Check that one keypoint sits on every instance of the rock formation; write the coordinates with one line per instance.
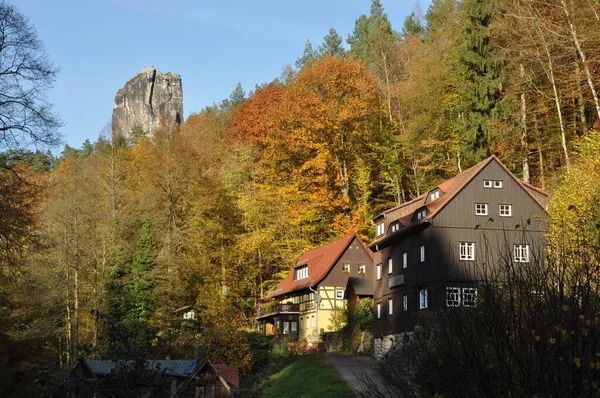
(146, 100)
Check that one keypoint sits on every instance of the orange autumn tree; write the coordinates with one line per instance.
(314, 138)
(328, 116)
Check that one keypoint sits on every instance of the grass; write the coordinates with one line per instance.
(307, 377)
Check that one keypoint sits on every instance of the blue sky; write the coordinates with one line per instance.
(213, 45)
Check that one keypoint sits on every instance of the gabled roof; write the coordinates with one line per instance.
(183, 368)
(404, 213)
(231, 375)
(319, 260)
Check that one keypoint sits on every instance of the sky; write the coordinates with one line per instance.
(100, 44)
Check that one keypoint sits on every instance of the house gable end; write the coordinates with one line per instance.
(459, 211)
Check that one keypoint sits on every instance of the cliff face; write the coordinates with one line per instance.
(146, 99)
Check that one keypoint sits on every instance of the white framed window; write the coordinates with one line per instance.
(286, 327)
(461, 297)
(301, 272)
(467, 251)
(481, 209)
(505, 210)
(346, 267)
(404, 259)
(339, 294)
(434, 195)
(469, 296)
(395, 227)
(378, 310)
(378, 271)
(294, 326)
(404, 302)
(390, 306)
(422, 250)
(487, 183)
(423, 298)
(521, 253)
(390, 265)
(453, 296)
(421, 214)
(498, 184)
(380, 229)
(492, 183)
(191, 314)
(362, 268)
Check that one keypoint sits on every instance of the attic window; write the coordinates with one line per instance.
(380, 229)
(301, 272)
(421, 213)
(395, 227)
(492, 183)
(434, 195)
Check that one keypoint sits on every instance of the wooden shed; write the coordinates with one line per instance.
(152, 378)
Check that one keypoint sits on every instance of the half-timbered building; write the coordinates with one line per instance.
(305, 301)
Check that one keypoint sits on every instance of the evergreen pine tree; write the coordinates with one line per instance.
(236, 96)
(482, 71)
(370, 34)
(309, 56)
(332, 45)
(127, 331)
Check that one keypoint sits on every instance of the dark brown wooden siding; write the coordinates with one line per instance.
(494, 237)
(354, 255)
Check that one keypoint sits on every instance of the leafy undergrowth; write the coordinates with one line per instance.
(307, 376)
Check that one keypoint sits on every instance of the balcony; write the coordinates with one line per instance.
(279, 309)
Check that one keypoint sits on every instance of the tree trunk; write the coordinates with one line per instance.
(576, 40)
(70, 353)
(594, 10)
(223, 272)
(581, 103)
(563, 136)
(541, 161)
(75, 335)
(341, 159)
(524, 128)
(387, 83)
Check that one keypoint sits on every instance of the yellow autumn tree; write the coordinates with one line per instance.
(574, 212)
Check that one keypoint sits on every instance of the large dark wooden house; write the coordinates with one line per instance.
(430, 252)
(305, 300)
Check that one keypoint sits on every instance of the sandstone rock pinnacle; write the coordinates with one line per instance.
(146, 100)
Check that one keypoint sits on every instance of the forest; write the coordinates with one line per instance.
(103, 246)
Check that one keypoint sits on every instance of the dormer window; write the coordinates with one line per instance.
(380, 229)
(301, 272)
(434, 195)
(421, 213)
(395, 227)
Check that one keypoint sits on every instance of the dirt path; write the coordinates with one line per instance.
(360, 373)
